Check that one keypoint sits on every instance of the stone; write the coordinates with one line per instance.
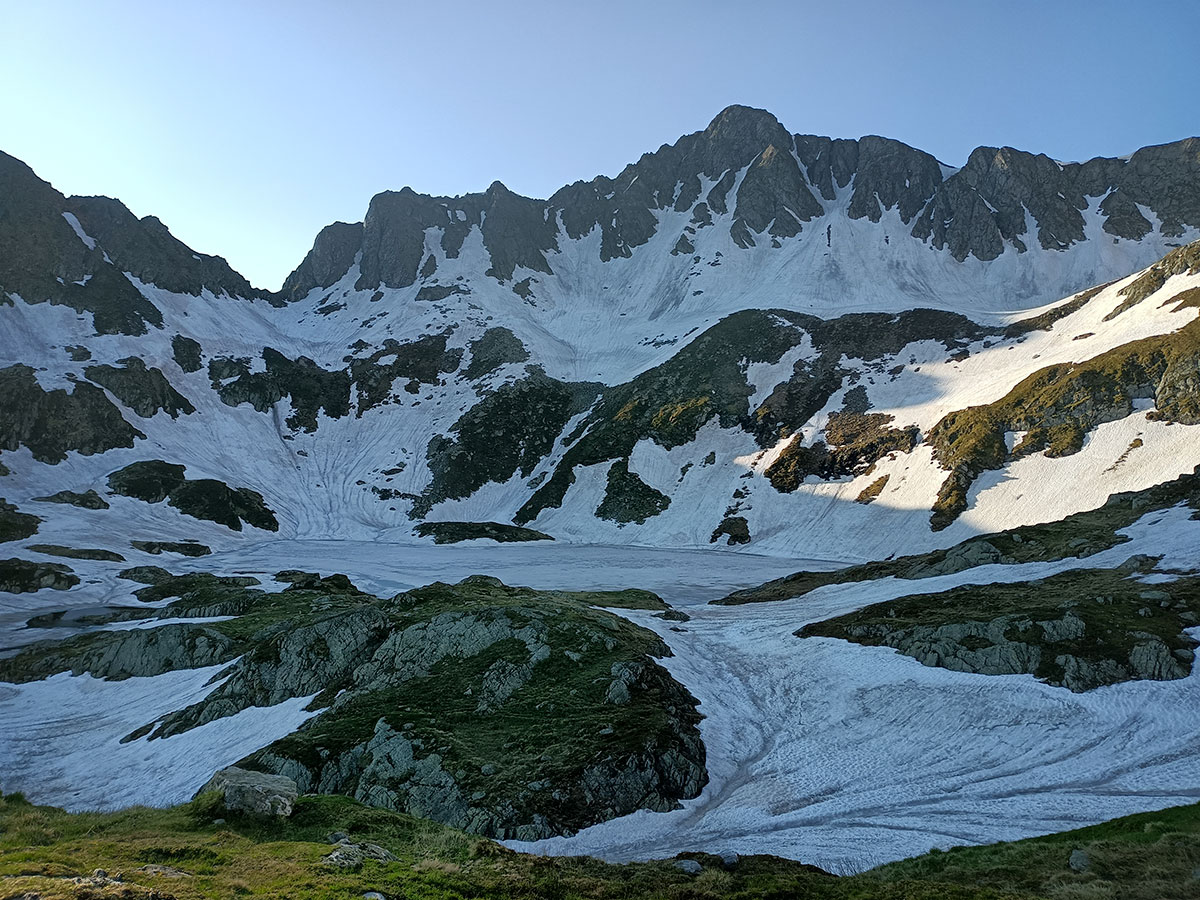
(1079, 861)
(729, 859)
(688, 866)
(254, 793)
(348, 855)
(373, 895)
(337, 837)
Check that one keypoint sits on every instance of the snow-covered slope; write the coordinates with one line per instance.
(749, 349)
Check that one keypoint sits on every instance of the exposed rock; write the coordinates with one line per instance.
(14, 524)
(188, 353)
(629, 499)
(254, 793)
(1079, 861)
(51, 423)
(453, 532)
(20, 576)
(688, 866)
(347, 855)
(153, 481)
(183, 548)
(89, 499)
(145, 391)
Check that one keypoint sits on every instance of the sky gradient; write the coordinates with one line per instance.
(248, 126)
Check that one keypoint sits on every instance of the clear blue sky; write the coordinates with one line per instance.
(247, 126)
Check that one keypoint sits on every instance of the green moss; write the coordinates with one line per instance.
(1148, 856)
(145, 391)
(89, 499)
(183, 548)
(854, 442)
(510, 430)
(496, 347)
(871, 492)
(18, 576)
(1183, 260)
(52, 423)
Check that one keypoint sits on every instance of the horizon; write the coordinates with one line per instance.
(232, 118)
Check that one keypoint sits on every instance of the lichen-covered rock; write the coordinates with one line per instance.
(253, 793)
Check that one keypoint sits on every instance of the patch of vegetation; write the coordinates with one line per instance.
(89, 499)
(310, 388)
(155, 480)
(75, 552)
(629, 499)
(1048, 319)
(1079, 629)
(871, 492)
(14, 524)
(1059, 404)
(453, 532)
(145, 391)
(52, 423)
(853, 443)
(510, 430)
(20, 576)
(1183, 260)
(1149, 856)
(1077, 536)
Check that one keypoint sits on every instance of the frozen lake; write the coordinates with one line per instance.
(839, 755)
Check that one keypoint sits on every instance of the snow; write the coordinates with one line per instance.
(90, 243)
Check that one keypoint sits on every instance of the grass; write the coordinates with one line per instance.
(1149, 856)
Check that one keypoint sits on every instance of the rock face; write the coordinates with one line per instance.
(253, 793)
(787, 186)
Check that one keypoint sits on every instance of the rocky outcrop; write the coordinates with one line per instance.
(454, 532)
(629, 499)
(1080, 629)
(89, 499)
(252, 793)
(507, 711)
(154, 480)
(53, 423)
(14, 524)
(20, 576)
(145, 391)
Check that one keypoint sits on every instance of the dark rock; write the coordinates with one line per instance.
(19, 576)
(145, 391)
(89, 499)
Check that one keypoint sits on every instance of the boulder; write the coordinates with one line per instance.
(347, 855)
(255, 793)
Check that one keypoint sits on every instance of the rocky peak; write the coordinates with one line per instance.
(147, 250)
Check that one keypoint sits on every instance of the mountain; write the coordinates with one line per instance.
(748, 350)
